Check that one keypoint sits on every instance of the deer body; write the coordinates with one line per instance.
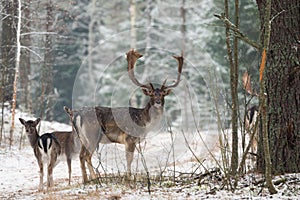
(123, 125)
(70, 147)
(250, 126)
(48, 147)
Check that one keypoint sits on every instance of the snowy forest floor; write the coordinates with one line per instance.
(174, 172)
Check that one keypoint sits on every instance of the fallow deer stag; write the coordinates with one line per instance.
(124, 125)
(49, 146)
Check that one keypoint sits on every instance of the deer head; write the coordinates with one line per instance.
(30, 126)
(156, 94)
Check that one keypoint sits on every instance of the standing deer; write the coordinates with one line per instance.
(49, 146)
(124, 125)
(250, 126)
(251, 113)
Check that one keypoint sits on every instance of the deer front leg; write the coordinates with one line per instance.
(129, 148)
(69, 162)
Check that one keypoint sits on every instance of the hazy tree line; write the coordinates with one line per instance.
(58, 37)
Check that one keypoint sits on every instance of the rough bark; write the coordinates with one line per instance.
(282, 87)
(8, 46)
(47, 75)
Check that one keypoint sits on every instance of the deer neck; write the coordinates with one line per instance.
(33, 138)
(153, 113)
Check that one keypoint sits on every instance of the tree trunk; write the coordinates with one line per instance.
(8, 46)
(132, 24)
(17, 66)
(233, 62)
(47, 78)
(132, 9)
(183, 51)
(282, 87)
(25, 99)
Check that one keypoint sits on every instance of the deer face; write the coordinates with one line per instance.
(157, 96)
(30, 126)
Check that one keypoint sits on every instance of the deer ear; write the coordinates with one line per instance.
(146, 91)
(68, 111)
(37, 121)
(22, 121)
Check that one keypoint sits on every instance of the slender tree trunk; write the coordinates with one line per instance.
(25, 99)
(262, 98)
(233, 85)
(132, 10)
(17, 66)
(234, 95)
(91, 43)
(183, 27)
(149, 28)
(132, 24)
(183, 50)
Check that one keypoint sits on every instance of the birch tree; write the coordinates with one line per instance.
(17, 66)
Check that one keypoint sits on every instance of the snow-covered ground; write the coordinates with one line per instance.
(168, 152)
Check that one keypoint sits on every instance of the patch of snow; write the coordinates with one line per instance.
(164, 152)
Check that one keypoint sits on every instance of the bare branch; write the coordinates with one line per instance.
(237, 31)
(39, 33)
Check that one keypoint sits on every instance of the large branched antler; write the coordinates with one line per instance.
(132, 57)
(180, 64)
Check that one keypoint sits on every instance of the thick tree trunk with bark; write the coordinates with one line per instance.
(8, 46)
(47, 82)
(282, 87)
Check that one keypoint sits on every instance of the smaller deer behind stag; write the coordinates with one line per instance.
(250, 126)
(49, 146)
(123, 125)
(252, 113)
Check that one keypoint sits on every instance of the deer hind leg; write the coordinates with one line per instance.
(69, 162)
(86, 157)
(82, 156)
(90, 165)
(50, 176)
(51, 165)
(40, 163)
